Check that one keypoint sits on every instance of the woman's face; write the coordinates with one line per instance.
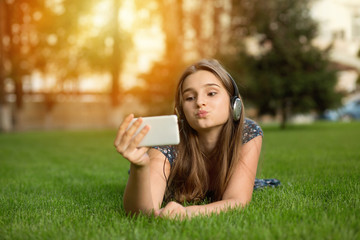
(205, 101)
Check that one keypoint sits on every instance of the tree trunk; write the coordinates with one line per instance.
(285, 112)
(283, 118)
(19, 92)
(217, 33)
(172, 24)
(5, 108)
(2, 52)
(116, 64)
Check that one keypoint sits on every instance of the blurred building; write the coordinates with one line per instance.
(339, 25)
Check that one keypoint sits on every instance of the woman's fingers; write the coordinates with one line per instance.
(139, 137)
(172, 210)
(140, 152)
(158, 212)
(134, 153)
(129, 133)
(126, 138)
(122, 129)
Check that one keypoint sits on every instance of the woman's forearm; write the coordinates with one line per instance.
(137, 195)
(176, 210)
(215, 207)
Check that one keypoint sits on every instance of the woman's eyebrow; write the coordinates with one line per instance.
(205, 85)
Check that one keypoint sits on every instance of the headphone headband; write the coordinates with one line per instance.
(236, 89)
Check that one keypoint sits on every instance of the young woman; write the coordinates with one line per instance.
(215, 161)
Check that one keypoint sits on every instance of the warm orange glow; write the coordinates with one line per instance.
(147, 40)
(100, 16)
(127, 15)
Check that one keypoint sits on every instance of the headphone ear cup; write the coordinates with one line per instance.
(236, 108)
(235, 101)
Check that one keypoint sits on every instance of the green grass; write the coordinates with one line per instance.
(69, 185)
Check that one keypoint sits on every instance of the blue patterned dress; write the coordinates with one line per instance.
(251, 130)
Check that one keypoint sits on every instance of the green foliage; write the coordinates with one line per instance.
(69, 185)
(305, 84)
(288, 73)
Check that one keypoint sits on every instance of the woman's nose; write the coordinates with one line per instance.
(200, 101)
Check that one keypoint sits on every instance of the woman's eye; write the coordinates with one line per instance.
(212, 93)
(189, 98)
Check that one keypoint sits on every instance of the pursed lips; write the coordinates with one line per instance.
(201, 113)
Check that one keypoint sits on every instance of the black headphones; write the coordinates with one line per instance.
(235, 101)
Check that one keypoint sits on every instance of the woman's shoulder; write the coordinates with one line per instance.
(169, 151)
(251, 130)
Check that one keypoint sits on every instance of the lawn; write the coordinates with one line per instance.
(69, 185)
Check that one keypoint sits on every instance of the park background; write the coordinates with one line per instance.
(71, 70)
(85, 64)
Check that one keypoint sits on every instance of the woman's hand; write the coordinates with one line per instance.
(173, 210)
(126, 142)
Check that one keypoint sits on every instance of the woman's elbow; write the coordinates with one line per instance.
(240, 202)
(132, 210)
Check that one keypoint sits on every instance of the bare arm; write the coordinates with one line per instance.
(146, 185)
(237, 194)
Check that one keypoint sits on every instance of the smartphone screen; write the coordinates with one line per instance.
(164, 130)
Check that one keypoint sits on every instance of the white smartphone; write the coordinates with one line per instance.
(164, 130)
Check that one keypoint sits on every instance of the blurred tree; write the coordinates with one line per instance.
(55, 38)
(3, 20)
(116, 54)
(60, 39)
(158, 89)
(3, 104)
(192, 30)
(68, 32)
(17, 42)
(207, 23)
(358, 78)
(286, 72)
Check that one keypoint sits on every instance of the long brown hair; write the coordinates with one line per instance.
(190, 178)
